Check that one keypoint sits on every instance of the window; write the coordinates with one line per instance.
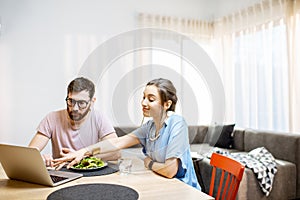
(261, 78)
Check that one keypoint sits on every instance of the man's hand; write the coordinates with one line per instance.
(65, 151)
(48, 159)
(73, 157)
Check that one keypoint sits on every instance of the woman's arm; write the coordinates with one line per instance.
(168, 169)
(102, 147)
(115, 155)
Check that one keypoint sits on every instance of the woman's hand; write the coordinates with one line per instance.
(147, 160)
(72, 157)
(168, 169)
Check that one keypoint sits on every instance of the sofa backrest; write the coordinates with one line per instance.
(238, 139)
(124, 130)
(197, 134)
(282, 145)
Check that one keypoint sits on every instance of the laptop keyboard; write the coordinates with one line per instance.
(56, 179)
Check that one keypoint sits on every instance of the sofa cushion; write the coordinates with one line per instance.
(206, 150)
(263, 165)
(221, 136)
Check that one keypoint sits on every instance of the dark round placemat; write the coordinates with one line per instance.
(94, 191)
(109, 169)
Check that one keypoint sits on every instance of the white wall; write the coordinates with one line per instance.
(44, 43)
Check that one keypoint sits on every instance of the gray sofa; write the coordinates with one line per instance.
(285, 147)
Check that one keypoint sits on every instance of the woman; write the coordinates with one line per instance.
(164, 138)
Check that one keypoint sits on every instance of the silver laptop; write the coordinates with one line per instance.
(26, 164)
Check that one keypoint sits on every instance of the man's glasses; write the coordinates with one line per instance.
(81, 103)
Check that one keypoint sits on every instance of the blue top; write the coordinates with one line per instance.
(173, 142)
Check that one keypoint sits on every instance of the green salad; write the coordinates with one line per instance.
(89, 163)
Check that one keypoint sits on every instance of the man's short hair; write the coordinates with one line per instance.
(81, 84)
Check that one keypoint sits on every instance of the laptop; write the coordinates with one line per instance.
(27, 164)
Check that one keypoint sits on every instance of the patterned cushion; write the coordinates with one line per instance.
(263, 165)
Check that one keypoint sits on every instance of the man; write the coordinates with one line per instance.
(76, 127)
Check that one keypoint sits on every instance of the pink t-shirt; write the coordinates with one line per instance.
(57, 127)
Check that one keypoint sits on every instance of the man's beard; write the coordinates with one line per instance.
(76, 116)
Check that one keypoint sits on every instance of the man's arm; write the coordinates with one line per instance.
(39, 141)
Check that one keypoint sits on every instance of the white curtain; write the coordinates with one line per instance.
(253, 59)
(255, 50)
(258, 48)
(196, 29)
(293, 33)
